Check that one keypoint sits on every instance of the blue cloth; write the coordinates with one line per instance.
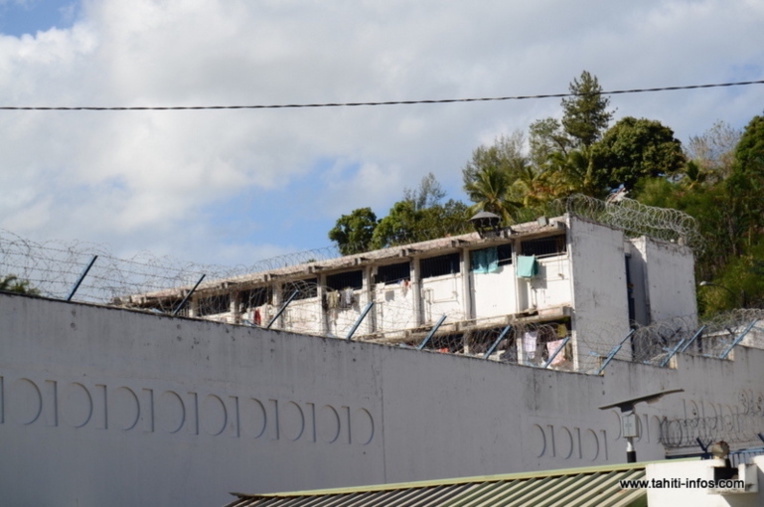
(527, 266)
(485, 261)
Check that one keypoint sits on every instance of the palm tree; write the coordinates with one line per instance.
(574, 173)
(489, 190)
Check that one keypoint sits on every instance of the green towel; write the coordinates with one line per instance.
(485, 261)
(527, 266)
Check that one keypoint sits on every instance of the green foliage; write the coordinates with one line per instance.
(746, 183)
(429, 193)
(407, 224)
(547, 138)
(353, 232)
(418, 217)
(634, 149)
(713, 152)
(585, 114)
(504, 155)
(740, 284)
(12, 283)
(489, 191)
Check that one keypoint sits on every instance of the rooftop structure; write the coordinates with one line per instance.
(533, 293)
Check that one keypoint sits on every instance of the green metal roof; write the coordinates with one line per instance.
(595, 486)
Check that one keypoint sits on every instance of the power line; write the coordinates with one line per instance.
(378, 103)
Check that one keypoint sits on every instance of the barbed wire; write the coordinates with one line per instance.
(636, 219)
(53, 268)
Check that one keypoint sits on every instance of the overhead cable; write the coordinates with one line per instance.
(377, 103)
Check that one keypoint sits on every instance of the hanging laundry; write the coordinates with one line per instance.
(348, 298)
(529, 344)
(551, 348)
(333, 300)
(485, 260)
(257, 318)
(527, 266)
(562, 330)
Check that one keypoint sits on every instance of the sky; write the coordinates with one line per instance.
(232, 187)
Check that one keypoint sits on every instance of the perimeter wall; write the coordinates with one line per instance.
(108, 406)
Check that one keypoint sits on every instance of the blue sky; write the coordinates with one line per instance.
(233, 187)
(19, 17)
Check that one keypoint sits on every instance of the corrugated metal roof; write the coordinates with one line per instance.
(595, 486)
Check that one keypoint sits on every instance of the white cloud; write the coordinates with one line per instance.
(167, 180)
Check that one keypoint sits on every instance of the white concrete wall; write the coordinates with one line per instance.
(394, 306)
(302, 316)
(553, 285)
(442, 295)
(669, 279)
(599, 290)
(101, 406)
(493, 294)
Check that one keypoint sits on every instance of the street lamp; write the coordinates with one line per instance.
(735, 297)
(630, 421)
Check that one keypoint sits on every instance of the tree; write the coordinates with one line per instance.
(585, 114)
(419, 216)
(489, 191)
(505, 154)
(547, 137)
(406, 224)
(12, 283)
(429, 193)
(634, 149)
(713, 153)
(353, 232)
(745, 184)
(492, 172)
(574, 172)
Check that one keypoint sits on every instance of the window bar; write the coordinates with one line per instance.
(559, 349)
(614, 352)
(431, 333)
(82, 277)
(359, 320)
(191, 292)
(281, 310)
(497, 342)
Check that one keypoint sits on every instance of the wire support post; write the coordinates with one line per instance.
(737, 340)
(496, 342)
(359, 320)
(282, 309)
(615, 351)
(186, 298)
(81, 278)
(556, 352)
(431, 333)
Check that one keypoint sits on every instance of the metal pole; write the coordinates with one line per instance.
(182, 303)
(431, 333)
(615, 351)
(82, 277)
(737, 340)
(631, 454)
(497, 342)
(551, 358)
(359, 320)
(281, 310)
(694, 337)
